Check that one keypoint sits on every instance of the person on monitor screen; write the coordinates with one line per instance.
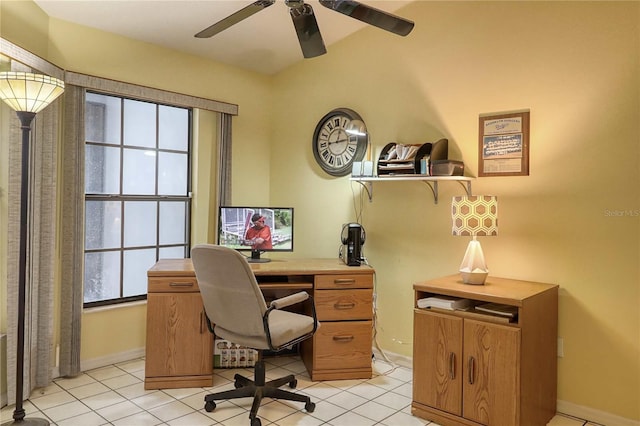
(258, 236)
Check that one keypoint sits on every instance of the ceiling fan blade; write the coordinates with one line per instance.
(234, 18)
(308, 32)
(370, 15)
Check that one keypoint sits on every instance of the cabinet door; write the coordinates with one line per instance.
(491, 378)
(178, 341)
(437, 349)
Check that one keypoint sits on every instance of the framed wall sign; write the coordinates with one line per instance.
(504, 144)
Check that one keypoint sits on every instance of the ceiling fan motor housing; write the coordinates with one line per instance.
(294, 4)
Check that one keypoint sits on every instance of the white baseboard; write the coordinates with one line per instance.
(90, 364)
(593, 415)
(564, 407)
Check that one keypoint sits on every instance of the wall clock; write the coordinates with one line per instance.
(334, 149)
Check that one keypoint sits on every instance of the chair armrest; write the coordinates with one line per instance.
(292, 299)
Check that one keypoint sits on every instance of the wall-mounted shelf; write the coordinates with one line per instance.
(430, 181)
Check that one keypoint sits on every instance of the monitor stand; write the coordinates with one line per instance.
(255, 257)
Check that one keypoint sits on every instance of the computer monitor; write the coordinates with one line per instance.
(256, 229)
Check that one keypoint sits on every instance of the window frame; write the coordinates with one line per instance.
(123, 198)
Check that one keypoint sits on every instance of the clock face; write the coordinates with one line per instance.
(335, 150)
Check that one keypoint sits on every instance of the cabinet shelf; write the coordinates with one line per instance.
(430, 181)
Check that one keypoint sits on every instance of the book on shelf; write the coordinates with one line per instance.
(444, 302)
(508, 311)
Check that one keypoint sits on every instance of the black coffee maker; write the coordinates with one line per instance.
(353, 236)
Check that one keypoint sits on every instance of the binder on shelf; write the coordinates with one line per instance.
(507, 311)
(445, 302)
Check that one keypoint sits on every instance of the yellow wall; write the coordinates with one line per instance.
(574, 65)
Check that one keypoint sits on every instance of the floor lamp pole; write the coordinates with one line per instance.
(18, 414)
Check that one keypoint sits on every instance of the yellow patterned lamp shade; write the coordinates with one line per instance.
(28, 92)
(474, 215)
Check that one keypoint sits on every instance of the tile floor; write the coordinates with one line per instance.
(115, 395)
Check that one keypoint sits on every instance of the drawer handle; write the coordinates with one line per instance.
(343, 305)
(472, 365)
(174, 284)
(343, 338)
(452, 365)
(344, 281)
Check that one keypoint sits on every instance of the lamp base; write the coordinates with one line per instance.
(475, 278)
(27, 421)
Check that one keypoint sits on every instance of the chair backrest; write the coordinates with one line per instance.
(230, 293)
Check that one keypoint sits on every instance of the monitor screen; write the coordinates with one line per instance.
(256, 229)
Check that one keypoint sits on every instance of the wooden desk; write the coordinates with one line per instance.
(179, 347)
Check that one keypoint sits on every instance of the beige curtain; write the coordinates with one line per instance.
(224, 160)
(41, 249)
(72, 231)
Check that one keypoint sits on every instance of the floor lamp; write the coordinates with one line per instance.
(27, 94)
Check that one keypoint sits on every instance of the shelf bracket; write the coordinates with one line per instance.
(368, 186)
(434, 190)
(466, 186)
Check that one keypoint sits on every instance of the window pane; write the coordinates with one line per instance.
(139, 123)
(102, 225)
(102, 119)
(172, 223)
(102, 170)
(138, 172)
(172, 174)
(173, 125)
(101, 276)
(172, 252)
(136, 265)
(140, 223)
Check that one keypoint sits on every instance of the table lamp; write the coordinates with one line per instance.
(474, 215)
(27, 94)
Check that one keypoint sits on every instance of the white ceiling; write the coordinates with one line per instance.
(265, 42)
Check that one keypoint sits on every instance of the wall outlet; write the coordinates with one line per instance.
(560, 347)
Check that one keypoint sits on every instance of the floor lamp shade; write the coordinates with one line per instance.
(474, 215)
(27, 94)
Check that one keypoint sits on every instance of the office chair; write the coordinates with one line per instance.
(236, 311)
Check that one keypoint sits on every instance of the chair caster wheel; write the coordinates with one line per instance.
(293, 384)
(310, 407)
(209, 406)
(256, 422)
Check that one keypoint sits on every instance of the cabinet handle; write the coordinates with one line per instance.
(201, 321)
(452, 365)
(342, 305)
(343, 338)
(344, 281)
(174, 284)
(472, 373)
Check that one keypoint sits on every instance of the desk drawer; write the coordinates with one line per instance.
(343, 344)
(344, 281)
(173, 285)
(339, 305)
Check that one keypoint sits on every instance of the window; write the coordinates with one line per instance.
(137, 185)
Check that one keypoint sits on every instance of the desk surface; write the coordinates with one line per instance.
(184, 267)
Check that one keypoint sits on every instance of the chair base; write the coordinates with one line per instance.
(259, 389)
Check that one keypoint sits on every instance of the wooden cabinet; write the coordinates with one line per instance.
(179, 344)
(476, 369)
(341, 348)
(179, 350)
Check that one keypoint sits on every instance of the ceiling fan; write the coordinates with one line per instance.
(306, 25)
